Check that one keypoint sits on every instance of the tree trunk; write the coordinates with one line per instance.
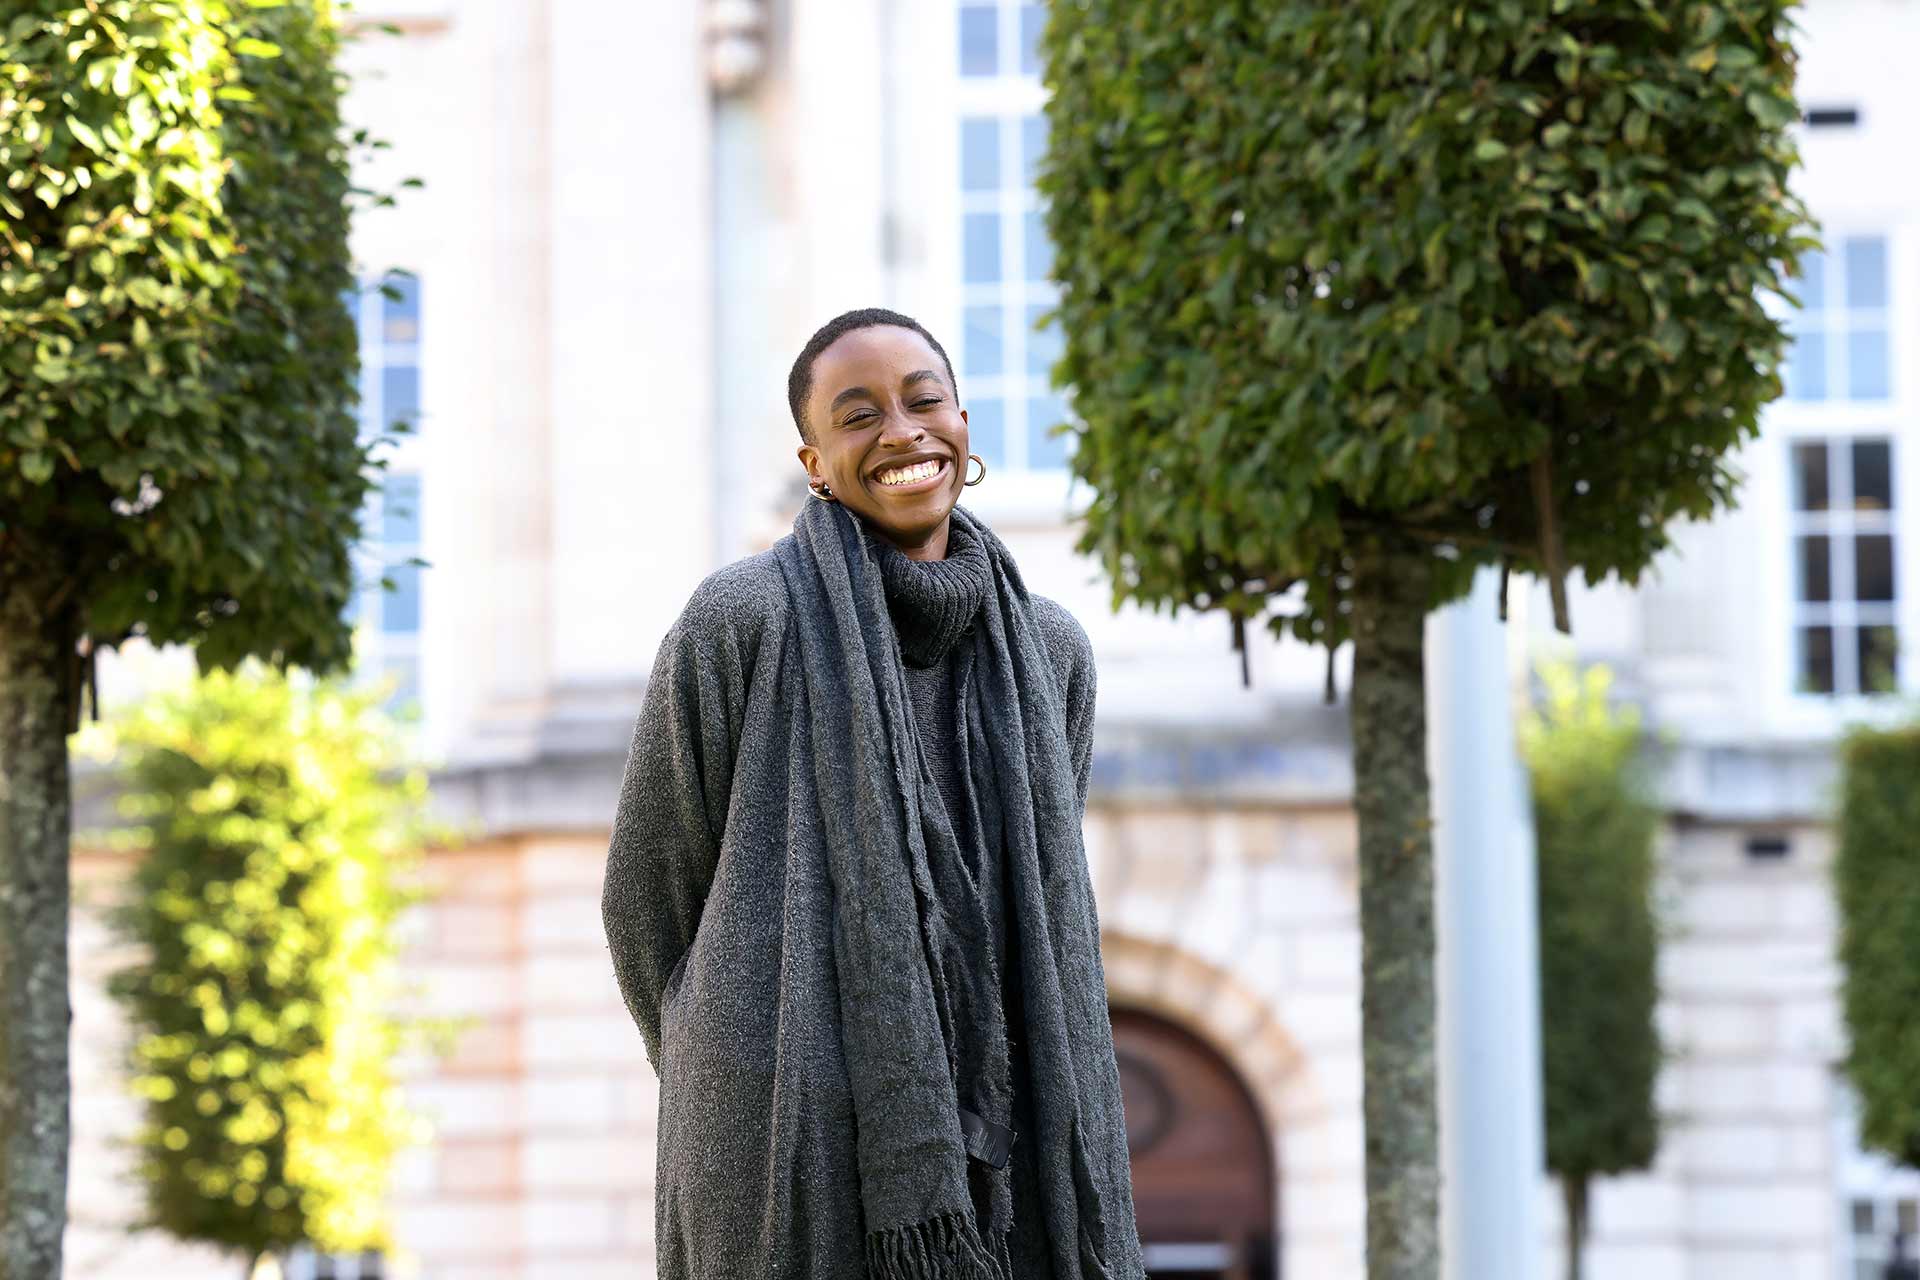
(1575, 1192)
(36, 814)
(1397, 1009)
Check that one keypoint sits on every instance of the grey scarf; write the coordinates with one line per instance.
(922, 1025)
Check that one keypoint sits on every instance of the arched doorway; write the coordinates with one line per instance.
(1203, 1183)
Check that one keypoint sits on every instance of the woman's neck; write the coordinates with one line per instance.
(933, 547)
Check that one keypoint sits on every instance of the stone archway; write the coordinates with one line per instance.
(1203, 1175)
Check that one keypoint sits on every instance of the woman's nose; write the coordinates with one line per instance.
(900, 428)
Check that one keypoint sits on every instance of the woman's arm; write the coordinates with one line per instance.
(673, 799)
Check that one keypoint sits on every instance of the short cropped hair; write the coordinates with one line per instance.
(800, 379)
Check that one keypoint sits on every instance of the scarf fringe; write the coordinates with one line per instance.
(946, 1246)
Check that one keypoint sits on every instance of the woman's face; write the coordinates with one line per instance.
(889, 438)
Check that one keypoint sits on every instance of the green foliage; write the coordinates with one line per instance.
(178, 369)
(277, 826)
(1340, 269)
(1877, 884)
(1594, 829)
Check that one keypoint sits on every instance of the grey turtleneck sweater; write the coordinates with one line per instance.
(932, 607)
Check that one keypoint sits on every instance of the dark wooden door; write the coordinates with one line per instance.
(1203, 1182)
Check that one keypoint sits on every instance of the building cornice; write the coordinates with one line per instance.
(569, 778)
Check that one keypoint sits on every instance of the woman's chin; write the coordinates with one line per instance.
(908, 520)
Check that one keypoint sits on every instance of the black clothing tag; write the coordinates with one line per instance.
(987, 1142)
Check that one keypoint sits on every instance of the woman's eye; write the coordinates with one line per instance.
(921, 404)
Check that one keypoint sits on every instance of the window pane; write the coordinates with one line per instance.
(1805, 372)
(982, 354)
(399, 395)
(401, 315)
(400, 504)
(980, 154)
(406, 674)
(1044, 343)
(987, 430)
(1872, 475)
(1032, 18)
(1815, 561)
(1816, 660)
(1867, 364)
(1863, 1217)
(979, 40)
(1045, 451)
(1039, 248)
(1873, 566)
(1813, 280)
(1866, 259)
(1810, 476)
(400, 608)
(1878, 648)
(980, 258)
(1033, 145)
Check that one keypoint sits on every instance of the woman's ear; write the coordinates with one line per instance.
(810, 459)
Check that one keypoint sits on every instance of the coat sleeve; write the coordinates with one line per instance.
(1072, 654)
(673, 802)
(1082, 685)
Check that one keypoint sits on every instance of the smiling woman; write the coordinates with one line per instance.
(874, 397)
(847, 896)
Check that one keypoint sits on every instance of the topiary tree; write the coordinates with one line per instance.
(279, 829)
(1360, 298)
(1594, 829)
(1876, 874)
(179, 453)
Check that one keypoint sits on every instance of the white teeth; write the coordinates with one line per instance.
(907, 475)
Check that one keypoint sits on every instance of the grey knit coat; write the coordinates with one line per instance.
(756, 1165)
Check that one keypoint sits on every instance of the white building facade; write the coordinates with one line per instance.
(632, 218)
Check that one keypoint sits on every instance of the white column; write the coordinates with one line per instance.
(836, 161)
(1492, 1148)
(630, 260)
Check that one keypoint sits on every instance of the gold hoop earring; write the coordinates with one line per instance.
(974, 457)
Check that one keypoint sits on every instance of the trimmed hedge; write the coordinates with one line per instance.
(1876, 875)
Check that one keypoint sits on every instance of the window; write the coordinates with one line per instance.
(388, 313)
(1841, 514)
(1879, 1200)
(1005, 361)
(1840, 348)
(303, 1263)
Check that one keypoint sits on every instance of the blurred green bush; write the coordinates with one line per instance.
(277, 828)
(1599, 937)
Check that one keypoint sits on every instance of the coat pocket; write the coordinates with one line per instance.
(670, 1000)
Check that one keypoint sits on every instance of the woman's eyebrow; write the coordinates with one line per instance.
(913, 379)
(851, 393)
